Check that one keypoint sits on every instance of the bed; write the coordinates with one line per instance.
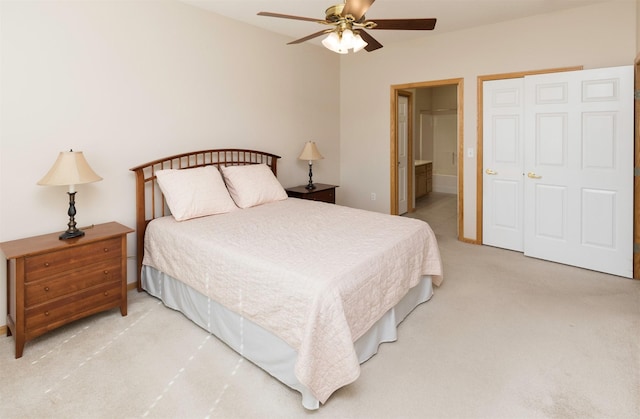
(306, 290)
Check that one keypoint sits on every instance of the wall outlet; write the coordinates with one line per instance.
(373, 196)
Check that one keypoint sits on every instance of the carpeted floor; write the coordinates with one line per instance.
(505, 336)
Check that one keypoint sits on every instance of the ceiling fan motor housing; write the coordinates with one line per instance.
(334, 13)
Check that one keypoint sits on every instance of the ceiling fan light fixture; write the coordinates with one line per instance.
(347, 38)
(358, 43)
(332, 42)
(342, 42)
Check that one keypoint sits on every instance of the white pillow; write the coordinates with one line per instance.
(252, 185)
(197, 192)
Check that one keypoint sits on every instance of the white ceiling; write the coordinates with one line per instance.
(452, 15)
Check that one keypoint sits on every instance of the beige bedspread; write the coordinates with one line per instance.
(317, 275)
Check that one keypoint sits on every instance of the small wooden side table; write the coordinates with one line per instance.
(322, 192)
(52, 282)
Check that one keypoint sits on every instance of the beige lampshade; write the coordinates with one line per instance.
(71, 168)
(310, 152)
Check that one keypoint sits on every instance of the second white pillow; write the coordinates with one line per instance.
(252, 185)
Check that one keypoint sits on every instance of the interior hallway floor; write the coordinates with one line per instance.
(440, 210)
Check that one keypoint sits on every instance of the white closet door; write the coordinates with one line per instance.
(502, 181)
(578, 193)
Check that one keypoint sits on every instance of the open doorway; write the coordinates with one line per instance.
(436, 161)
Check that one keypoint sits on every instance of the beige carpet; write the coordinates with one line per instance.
(505, 336)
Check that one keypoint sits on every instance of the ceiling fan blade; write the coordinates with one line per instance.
(313, 35)
(356, 8)
(406, 24)
(372, 44)
(308, 19)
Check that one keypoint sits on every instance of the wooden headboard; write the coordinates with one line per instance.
(150, 202)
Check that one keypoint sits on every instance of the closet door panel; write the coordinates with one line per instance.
(599, 219)
(551, 213)
(551, 140)
(578, 192)
(502, 180)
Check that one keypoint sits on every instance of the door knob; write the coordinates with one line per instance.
(490, 172)
(532, 175)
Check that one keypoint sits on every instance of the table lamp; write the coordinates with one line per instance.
(70, 169)
(310, 152)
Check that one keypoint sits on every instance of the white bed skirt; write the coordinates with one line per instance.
(262, 347)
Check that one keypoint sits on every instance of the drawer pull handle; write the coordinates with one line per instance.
(106, 293)
(106, 272)
(46, 313)
(46, 264)
(106, 249)
(46, 289)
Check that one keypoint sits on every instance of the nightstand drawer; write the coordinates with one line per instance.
(322, 192)
(48, 316)
(37, 292)
(43, 266)
(325, 196)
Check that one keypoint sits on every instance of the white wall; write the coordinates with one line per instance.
(603, 35)
(127, 82)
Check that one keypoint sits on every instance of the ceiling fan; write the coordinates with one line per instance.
(348, 23)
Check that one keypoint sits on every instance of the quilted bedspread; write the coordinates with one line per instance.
(317, 275)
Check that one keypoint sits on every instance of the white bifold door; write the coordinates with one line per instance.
(558, 167)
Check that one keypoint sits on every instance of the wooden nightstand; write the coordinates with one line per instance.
(51, 282)
(322, 192)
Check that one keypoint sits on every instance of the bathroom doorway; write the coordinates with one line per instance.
(436, 166)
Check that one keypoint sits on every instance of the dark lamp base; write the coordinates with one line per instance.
(310, 186)
(72, 231)
(70, 234)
